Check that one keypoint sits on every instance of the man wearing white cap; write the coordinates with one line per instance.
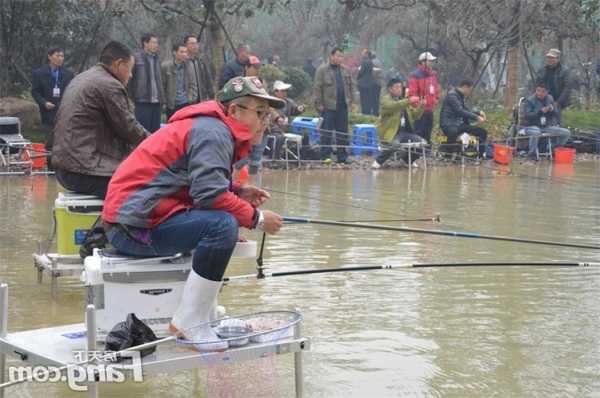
(556, 77)
(423, 83)
(282, 115)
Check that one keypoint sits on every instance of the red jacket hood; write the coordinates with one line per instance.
(239, 131)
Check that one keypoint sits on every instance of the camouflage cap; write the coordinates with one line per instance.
(247, 86)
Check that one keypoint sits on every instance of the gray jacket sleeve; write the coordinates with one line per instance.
(210, 150)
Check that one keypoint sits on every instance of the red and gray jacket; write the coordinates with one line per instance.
(186, 164)
(423, 83)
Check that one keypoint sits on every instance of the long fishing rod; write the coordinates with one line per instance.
(263, 275)
(456, 234)
(437, 218)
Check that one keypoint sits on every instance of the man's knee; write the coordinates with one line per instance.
(229, 229)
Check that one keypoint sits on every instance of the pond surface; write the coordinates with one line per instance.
(451, 332)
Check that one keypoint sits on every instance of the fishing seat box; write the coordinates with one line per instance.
(75, 214)
(148, 287)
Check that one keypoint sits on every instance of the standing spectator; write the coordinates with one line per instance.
(455, 117)
(396, 123)
(95, 126)
(557, 78)
(235, 67)
(251, 69)
(423, 83)
(541, 117)
(177, 84)
(146, 86)
(47, 89)
(367, 85)
(333, 94)
(198, 72)
(309, 68)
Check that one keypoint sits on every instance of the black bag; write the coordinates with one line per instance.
(130, 333)
(95, 238)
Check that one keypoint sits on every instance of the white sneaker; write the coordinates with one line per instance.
(375, 165)
(415, 165)
(192, 318)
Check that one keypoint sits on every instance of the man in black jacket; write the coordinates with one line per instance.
(557, 78)
(455, 116)
(367, 85)
(235, 67)
(47, 89)
(145, 86)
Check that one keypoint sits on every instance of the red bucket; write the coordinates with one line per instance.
(564, 155)
(502, 154)
(37, 154)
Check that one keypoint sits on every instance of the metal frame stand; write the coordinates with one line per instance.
(48, 346)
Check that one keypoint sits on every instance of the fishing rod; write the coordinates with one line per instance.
(456, 234)
(433, 219)
(262, 275)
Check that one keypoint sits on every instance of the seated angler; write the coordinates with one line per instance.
(541, 117)
(281, 117)
(174, 194)
(95, 125)
(455, 117)
(396, 122)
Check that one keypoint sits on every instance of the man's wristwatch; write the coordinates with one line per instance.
(261, 220)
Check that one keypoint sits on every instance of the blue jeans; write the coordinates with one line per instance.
(212, 234)
(534, 133)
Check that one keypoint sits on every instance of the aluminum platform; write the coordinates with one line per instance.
(57, 346)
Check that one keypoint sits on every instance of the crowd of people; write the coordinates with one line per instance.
(406, 108)
(170, 189)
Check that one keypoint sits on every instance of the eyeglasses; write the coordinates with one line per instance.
(263, 115)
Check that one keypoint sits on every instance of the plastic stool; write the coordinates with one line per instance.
(364, 138)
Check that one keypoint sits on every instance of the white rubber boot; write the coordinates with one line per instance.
(194, 312)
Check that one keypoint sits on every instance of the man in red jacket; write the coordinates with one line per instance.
(423, 83)
(174, 194)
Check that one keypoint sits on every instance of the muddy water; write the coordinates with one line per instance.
(463, 332)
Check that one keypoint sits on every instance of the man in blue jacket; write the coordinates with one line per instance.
(541, 117)
(48, 86)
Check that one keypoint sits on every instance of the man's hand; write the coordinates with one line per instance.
(273, 222)
(49, 105)
(481, 119)
(254, 195)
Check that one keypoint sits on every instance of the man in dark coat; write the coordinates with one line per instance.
(236, 66)
(47, 89)
(368, 87)
(557, 78)
(455, 117)
(96, 128)
(146, 87)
